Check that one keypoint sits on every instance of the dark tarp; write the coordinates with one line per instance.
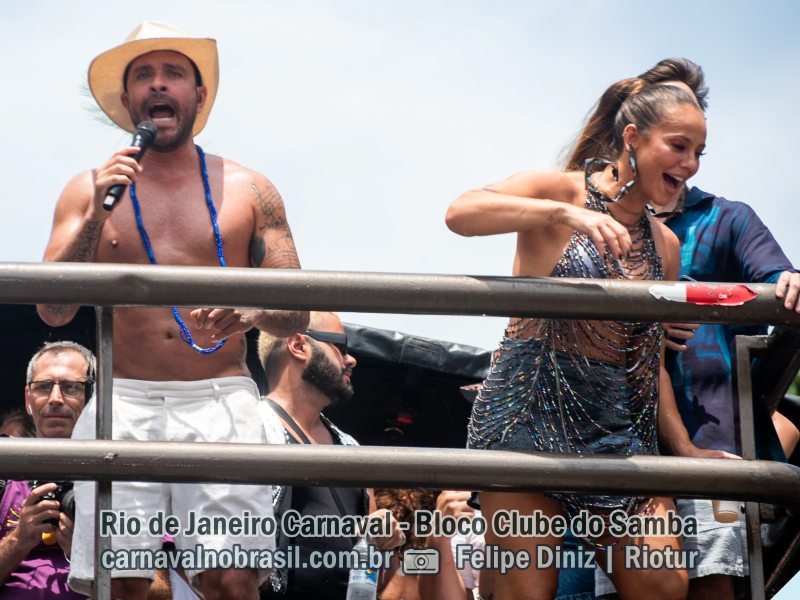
(408, 389)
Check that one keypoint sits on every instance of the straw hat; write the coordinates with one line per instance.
(106, 71)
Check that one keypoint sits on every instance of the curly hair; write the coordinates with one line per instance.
(403, 503)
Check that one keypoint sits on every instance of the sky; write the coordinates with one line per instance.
(371, 117)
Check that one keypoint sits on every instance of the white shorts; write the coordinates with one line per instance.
(214, 410)
(721, 547)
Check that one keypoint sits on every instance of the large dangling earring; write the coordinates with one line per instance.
(632, 161)
(592, 166)
(627, 187)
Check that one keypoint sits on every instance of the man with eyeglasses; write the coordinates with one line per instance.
(35, 535)
(307, 372)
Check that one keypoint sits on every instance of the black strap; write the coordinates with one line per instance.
(296, 428)
(288, 420)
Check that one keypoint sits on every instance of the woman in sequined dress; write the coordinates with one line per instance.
(721, 241)
(583, 386)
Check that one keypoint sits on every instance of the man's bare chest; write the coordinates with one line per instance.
(180, 233)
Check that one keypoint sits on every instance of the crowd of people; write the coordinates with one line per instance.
(620, 208)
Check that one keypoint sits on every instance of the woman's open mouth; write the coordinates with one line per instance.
(672, 183)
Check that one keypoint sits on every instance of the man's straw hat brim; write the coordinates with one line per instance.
(106, 71)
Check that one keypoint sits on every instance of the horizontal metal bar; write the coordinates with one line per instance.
(374, 466)
(144, 285)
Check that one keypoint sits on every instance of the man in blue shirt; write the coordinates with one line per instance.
(724, 241)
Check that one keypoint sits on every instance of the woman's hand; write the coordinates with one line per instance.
(691, 451)
(604, 230)
(677, 334)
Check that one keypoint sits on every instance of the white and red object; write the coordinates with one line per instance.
(700, 293)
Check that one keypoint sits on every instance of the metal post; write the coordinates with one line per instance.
(103, 425)
(744, 346)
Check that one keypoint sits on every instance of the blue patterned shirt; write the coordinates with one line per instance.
(722, 241)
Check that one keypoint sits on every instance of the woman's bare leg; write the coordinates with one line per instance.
(533, 583)
(654, 584)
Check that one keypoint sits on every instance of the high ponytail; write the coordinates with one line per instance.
(596, 139)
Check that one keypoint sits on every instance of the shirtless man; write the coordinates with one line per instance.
(164, 364)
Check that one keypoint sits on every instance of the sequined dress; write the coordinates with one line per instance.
(578, 386)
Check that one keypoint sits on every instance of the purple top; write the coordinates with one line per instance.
(43, 573)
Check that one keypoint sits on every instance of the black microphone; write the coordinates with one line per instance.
(144, 135)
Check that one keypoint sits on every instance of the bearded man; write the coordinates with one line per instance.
(307, 372)
(179, 375)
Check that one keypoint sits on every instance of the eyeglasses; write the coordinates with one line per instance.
(69, 389)
(338, 340)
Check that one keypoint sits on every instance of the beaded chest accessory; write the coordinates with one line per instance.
(186, 335)
(573, 386)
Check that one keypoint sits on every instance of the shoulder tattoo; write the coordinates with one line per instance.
(270, 207)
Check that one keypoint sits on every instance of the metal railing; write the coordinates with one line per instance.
(746, 348)
(106, 286)
(141, 285)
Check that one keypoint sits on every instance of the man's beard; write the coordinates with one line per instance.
(327, 378)
(174, 141)
(181, 134)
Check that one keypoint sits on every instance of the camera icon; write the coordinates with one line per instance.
(421, 562)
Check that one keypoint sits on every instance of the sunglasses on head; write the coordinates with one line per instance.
(338, 340)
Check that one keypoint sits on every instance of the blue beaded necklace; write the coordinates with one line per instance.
(186, 335)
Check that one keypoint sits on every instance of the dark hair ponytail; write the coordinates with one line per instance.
(597, 137)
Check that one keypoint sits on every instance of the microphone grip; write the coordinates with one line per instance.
(114, 193)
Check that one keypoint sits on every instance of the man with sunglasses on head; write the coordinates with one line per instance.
(35, 535)
(307, 372)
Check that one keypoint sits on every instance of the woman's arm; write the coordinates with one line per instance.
(671, 431)
(515, 204)
(534, 200)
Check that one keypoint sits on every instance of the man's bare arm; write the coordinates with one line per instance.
(273, 247)
(12, 552)
(272, 244)
(75, 238)
(79, 220)
(21, 540)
